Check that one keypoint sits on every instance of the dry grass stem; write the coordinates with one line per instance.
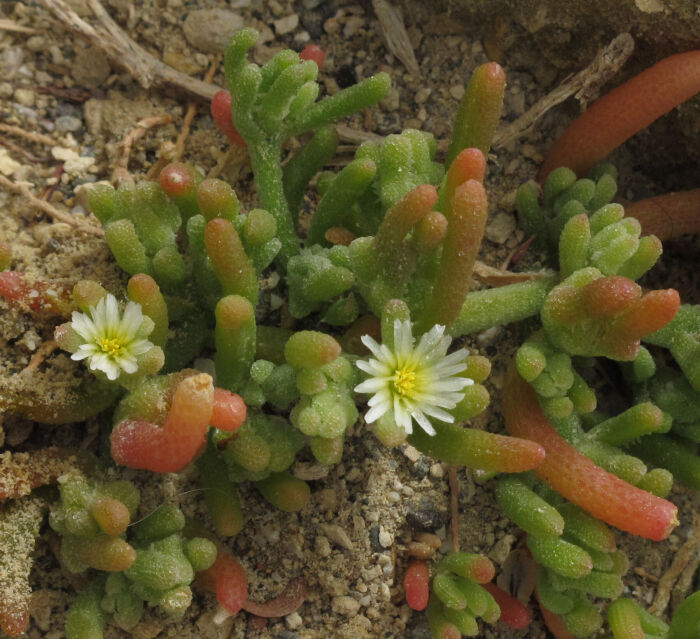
(584, 85)
(45, 207)
(686, 554)
(27, 135)
(500, 277)
(120, 173)
(192, 110)
(454, 507)
(39, 356)
(108, 36)
(21, 151)
(394, 32)
(11, 25)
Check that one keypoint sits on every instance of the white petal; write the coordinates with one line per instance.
(131, 321)
(402, 416)
(438, 413)
(450, 384)
(111, 314)
(423, 422)
(377, 411)
(370, 386)
(448, 371)
(374, 368)
(372, 345)
(83, 325)
(140, 346)
(403, 337)
(382, 396)
(127, 364)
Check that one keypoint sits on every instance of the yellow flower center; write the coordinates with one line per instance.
(112, 346)
(404, 382)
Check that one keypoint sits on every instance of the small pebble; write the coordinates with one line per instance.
(211, 29)
(336, 534)
(500, 227)
(293, 621)
(457, 91)
(25, 97)
(322, 547)
(287, 24)
(385, 539)
(344, 605)
(68, 123)
(437, 471)
(424, 516)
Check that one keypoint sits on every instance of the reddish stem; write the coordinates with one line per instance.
(618, 115)
(668, 216)
(513, 613)
(576, 477)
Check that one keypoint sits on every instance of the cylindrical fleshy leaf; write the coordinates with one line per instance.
(235, 340)
(231, 264)
(577, 478)
(416, 582)
(220, 494)
(464, 232)
(284, 491)
(310, 349)
(226, 579)
(143, 290)
(619, 114)
(527, 509)
(142, 444)
(513, 613)
(668, 216)
(478, 568)
(478, 449)
(479, 111)
(398, 221)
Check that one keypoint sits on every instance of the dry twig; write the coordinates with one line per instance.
(454, 507)
(39, 138)
(120, 173)
(585, 85)
(21, 151)
(45, 207)
(39, 356)
(192, 109)
(499, 277)
(108, 36)
(394, 32)
(11, 25)
(685, 555)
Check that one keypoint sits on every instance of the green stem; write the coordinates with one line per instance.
(265, 160)
(500, 306)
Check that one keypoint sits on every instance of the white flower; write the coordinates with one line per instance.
(413, 382)
(112, 342)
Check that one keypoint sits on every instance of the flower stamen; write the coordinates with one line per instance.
(110, 346)
(405, 382)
